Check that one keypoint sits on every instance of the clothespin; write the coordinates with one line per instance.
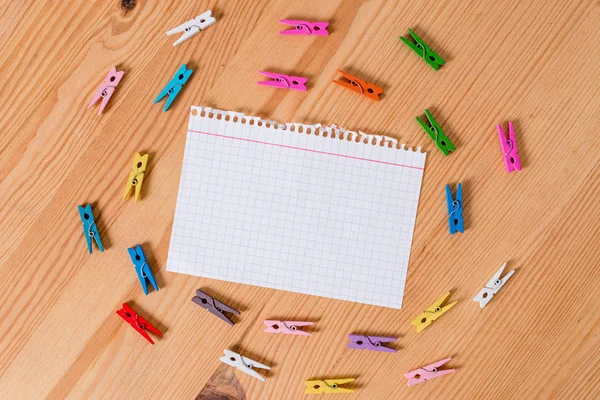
(136, 176)
(214, 306)
(359, 86)
(432, 313)
(327, 386)
(107, 88)
(435, 132)
(244, 364)
(427, 372)
(90, 229)
(455, 210)
(192, 27)
(174, 86)
(509, 148)
(305, 28)
(138, 323)
(284, 81)
(424, 51)
(287, 327)
(362, 342)
(492, 287)
(142, 268)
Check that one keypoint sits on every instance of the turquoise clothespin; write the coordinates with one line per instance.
(435, 132)
(142, 268)
(424, 51)
(90, 229)
(174, 86)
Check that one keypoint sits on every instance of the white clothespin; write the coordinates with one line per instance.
(244, 364)
(492, 287)
(192, 27)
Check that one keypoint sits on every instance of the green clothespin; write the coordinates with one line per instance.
(424, 51)
(435, 132)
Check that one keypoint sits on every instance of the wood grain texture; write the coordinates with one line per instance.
(533, 62)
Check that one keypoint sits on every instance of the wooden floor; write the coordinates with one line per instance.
(534, 62)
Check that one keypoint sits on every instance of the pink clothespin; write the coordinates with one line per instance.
(287, 327)
(107, 88)
(427, 372)
(284, 81)
(509, 148)
(305, 28)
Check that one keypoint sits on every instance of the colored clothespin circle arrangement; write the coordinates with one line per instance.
(244, 364)
(107, 88)
(427, 372)
(138, 323)
(423, 50)
(192, 27)
(359, 86)
(305, 28)
(142, 268)
(287, 327)
(90, 229)
(284, 81)
(373, 343)
(455, 210)
(492, 287)
(174, 86)
(327, 386)
(214, 306)
(509, 148)
(432, 313)
(435, 132)
(136, 176)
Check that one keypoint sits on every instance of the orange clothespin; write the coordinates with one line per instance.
(359, 86)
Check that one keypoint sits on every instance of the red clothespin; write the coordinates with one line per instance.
(138, 323)
(359, 86)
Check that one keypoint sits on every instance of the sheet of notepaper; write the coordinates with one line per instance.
(303, 208)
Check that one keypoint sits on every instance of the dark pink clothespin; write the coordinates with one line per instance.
(284, 81)
(107, 88)
(305, 28)
(509, 148)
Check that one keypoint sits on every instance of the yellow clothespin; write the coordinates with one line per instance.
(136, 176)
(432, 313)
(327, 386)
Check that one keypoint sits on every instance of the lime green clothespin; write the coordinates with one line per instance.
(435, 132)
(424, 51)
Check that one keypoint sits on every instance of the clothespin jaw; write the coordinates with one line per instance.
(359, 86)
(138, 323)
(107, 88)
(509, 148)
(327, 386)
(435, 132)
(373, 343)
(90, 229)
(174, 86)
(244, 364)
(192, 27)
(427, 372)
(142, 268)
(287, 327)
(455, 210)
(423, 50)
(432, 313)
(284, 81)
(492, 286)
(305, 28)
(214, 306)
(136, 176)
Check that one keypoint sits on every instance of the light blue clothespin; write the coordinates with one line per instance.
(174, 86)
(90, 229)
(142, 268)
(455, 209)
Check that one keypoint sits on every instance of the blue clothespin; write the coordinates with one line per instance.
(174, 86)
(141, 267)
(90, 229)
(455, 209)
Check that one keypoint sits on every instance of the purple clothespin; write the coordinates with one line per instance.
(362, 342)
(509, 148)
(427, 372)
(107, 88)
(305, 28)
(284, 81)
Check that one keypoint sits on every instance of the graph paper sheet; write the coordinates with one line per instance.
(296, 207)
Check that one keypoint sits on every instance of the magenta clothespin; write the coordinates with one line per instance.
(107, 88)
(427, 372)
(287, 327)
(284, 81)
(362, 342)
(305, 28)
(509, 148)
